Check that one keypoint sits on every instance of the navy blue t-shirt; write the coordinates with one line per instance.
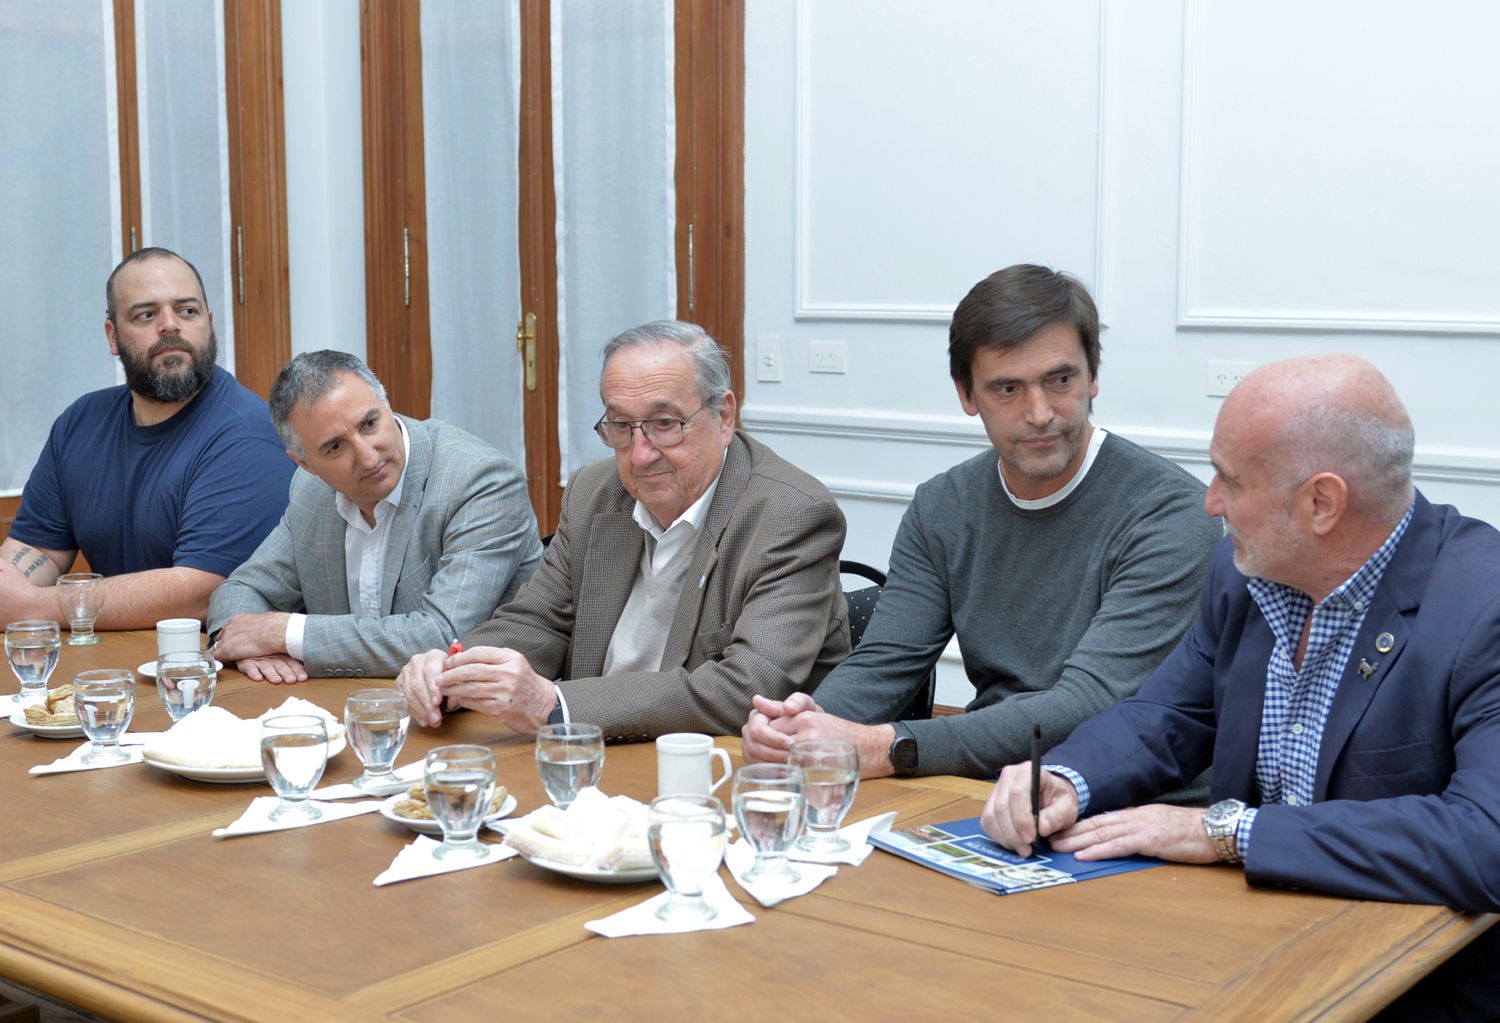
(200, 490)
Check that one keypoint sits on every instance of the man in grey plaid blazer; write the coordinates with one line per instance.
(399, 534)
(696, 569)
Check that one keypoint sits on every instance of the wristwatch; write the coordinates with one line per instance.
(1220, 822)
(903, 751)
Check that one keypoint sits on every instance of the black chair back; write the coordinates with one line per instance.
(861, 603)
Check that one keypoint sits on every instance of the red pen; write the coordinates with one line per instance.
(455, 647)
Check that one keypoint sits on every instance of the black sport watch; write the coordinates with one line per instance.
(903, 751)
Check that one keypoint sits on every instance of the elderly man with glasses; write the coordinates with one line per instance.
(696, 569)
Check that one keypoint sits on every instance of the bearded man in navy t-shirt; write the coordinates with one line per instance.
(166, 483)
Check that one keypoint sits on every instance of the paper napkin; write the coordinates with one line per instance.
(416, 860)
(740, 857)
(403, 778)
(858, 837)
(132, 743)
(255, 819)
(641, 918)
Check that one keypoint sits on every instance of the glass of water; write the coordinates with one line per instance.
(569, 758)
(376, 720)
(294, 751)
(105, 698)
(460, 785)
(768, 804)
(32, 647)
(830, 776)
(81, 597)
(686, 832)
(185, 681)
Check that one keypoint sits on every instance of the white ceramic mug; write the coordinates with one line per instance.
(174, 634)
(684, 763)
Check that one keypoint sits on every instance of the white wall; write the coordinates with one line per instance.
(1234, 181)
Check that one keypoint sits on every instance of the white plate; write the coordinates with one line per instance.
(231, 775)
(594, 873)
(18, 718)
(422, 827)
(149, 668)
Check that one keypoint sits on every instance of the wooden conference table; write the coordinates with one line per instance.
(114, 897)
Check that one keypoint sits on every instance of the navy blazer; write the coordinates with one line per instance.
(1408, 781)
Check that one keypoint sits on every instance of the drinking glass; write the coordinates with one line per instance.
(32, 647)
(569, 758)
(686, 833)
(81, 597)
(830, 776)
(294, 751)
(185, 681)
(376, 720)
(768, 804)
(460, 785)
(105, 698)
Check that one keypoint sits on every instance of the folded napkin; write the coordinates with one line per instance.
(858, 837)
(255, 820)
(641, 918)
(403, 778)
(739, 857)
(132, 743)
(416, 860)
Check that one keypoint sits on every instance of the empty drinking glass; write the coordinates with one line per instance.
(460, 785)
(81, 597)
(32, 648)
(830, 776)
(569, 758)
(294, 751)
(105, 698)
(376, 720)
(185, 681)
(686, 833)
(768, 804)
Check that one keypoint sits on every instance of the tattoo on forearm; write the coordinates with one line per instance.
(29, 570)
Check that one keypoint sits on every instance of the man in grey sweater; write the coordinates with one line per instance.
(1067, 560)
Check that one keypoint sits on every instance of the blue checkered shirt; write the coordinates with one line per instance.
(1297, 702)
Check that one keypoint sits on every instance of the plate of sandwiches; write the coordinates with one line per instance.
(213, 745)
(410, 809)
(55, 718)
(598, 838)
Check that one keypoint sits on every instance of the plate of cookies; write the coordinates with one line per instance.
(56, 718)
(410, 809)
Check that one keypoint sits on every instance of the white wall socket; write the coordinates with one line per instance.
(827, 357)
(1223, 376)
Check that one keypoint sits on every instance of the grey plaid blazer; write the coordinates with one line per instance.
(761, 611)
(463, 540)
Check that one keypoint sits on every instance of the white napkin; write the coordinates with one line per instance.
(403, 779)
(255, 820)
(416, 860)
(739, 857)
(641, 918)
(858, 837)
(133, 743)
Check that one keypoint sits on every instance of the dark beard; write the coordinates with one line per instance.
(170, 386)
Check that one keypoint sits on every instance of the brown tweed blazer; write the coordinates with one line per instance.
(761, 611)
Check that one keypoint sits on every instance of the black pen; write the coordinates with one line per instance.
(1036, 784)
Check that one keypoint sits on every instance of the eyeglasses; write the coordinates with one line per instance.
(663, 431)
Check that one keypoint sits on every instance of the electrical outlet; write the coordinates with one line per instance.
(768, 359)
(1224, 376)
(827, 357)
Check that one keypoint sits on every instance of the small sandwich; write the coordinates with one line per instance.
(598, 831)
(57, 710)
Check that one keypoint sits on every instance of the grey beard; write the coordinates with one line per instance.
(170, 386)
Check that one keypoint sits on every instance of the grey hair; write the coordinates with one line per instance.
(1371, 454)
(306, 379)
(710, 366)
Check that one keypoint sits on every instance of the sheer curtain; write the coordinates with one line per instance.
(471, 97)
(614, 145)
(185, 144)
(59, 215)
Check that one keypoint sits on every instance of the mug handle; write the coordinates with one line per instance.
(728, 769)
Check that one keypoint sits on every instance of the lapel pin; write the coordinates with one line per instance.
(1366, 669)
(1384, 642)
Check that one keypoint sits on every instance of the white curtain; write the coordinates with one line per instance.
(614, 145)
(59, 215)
(185, 144)
(471, 101)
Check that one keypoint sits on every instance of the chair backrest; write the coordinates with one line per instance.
(861, 603)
